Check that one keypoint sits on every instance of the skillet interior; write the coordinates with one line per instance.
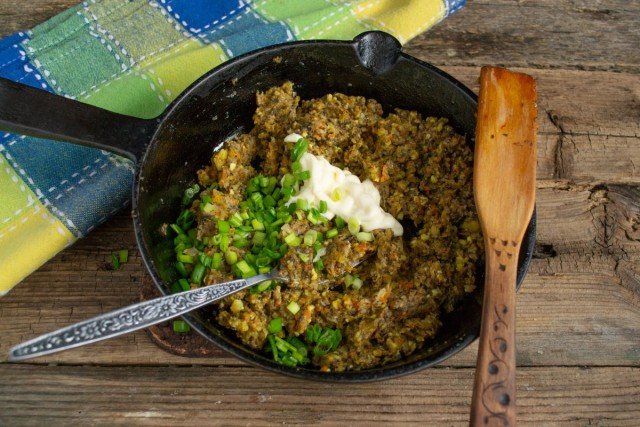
(222, 103)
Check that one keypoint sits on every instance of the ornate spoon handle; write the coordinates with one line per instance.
(129, 319)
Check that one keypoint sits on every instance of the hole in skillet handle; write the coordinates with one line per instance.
(377, 51)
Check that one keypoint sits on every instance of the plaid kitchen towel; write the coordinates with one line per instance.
(134, 57)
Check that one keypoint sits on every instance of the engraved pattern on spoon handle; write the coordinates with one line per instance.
(128, 319)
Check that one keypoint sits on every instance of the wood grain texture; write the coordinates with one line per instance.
(578, 311)
(248, 396)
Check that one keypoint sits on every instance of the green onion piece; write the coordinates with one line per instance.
(206, 199)
(204, 259)
(175, 288)
(364, 236)
(216, 261)
(224, 242)
(244, 215)
(274, 349)
(332, 233)
(257, 225)
(299, 149)
(223, 227)
(328, 341)
(263, 261)
(240, 243)
(293, 307)
(264, 181)
(348, 280)
(296, 167)
(186, 259)
(313, 333)
(192, 234)
(288, 181)
(185, 219)
(230, 257)
(243, 269)
(310, 237)
(303, 176)
(263, 270)
(184, 284)
(275, 195)
(236, 219)
(256, 198)
(115, 262)
(269, 202)
(180, 326)
(304, 257)
(197, 274)
(216, 239)
(123, 256)
(292, 240)
(275, 325)
(302, 204)
(317, 245)
(318, 265)
(354, 225)
(287, 192)
(357, 283)
(265, 285)
(181, 269)
(177, 229)
(259, 238)
(190, 193)
(323, 207)
(207, 207)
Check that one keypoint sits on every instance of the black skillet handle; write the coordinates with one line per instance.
(34, 112)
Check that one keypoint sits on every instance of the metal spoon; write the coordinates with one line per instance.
(141, 315)
(133, 317)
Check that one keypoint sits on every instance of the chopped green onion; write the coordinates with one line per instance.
(295, 168)
(223, 226)
(304, 257)
(197, 274)
(206, 199)
(123, 256)
(302, 204)
(293, 307)
(190, 193)
(185, 219)
(258, 238)
(340, 223)
(243, 269)
(224, 242)
(257, 225)
(186, 259)
(288, 181)
(275, 325)
(357, 283)
(230, 257)
(115, 262)
(348, 280)
(354, 225)
(269, 201)
(204, 259)
(263, 261)
(184, 284)
(303, 176)
(292, 240)
(181, 269)
(332, 233)
(236, 219)
(299, 149)
(216, 261)
(323, 207)
(364, 236)
(310, 237)
(177, 229)
(240, 243)
(263, 270)
(181, 326)
(207, 207)
(318, 265)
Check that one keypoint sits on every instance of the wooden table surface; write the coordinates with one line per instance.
(578, 311)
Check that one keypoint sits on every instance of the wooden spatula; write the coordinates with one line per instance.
(504, 178)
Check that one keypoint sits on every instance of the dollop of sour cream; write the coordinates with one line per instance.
(346, 196)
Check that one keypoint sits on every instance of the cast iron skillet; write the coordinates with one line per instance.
(170, 149)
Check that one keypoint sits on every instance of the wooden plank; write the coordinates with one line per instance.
(15, 15)
(583, 35)
(33, 395)
(573, 264)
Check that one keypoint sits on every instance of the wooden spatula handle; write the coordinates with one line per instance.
(495, 385)
(504, 177)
